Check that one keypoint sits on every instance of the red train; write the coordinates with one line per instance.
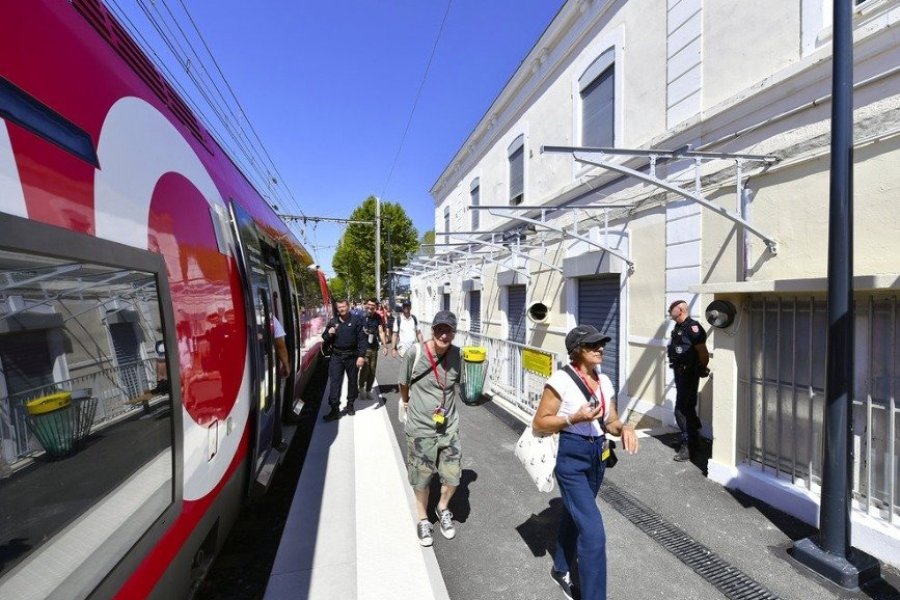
(133, 253)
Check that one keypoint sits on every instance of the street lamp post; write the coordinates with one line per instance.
(378, 247)
(830, 553)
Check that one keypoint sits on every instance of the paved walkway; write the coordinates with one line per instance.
(351, 534)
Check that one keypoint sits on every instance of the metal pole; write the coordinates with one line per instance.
(834, 514)
(831, 556)
(378, 247)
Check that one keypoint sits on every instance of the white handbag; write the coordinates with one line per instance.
(537, 454)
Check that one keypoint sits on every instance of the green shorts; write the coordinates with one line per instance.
(426, 456)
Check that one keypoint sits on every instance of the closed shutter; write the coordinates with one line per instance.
(516, 313)
(598, 118)
(445, 304)
(598, 305)
(127, 348)
(517, 176)
(475, 312)
(25, 361)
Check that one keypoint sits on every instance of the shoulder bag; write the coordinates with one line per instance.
(537, 453)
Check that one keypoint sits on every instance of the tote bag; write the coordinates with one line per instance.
(537, 454)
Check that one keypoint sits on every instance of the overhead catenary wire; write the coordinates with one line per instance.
(412, 112)
(252, 158)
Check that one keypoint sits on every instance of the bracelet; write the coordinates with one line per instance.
(569, 421)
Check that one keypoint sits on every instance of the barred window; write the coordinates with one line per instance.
(783, 394)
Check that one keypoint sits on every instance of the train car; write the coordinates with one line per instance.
(142, 283)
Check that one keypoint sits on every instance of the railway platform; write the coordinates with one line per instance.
(671, 533)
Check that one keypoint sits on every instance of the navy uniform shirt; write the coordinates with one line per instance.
(684, 337)
(370, 328)
(349, 337)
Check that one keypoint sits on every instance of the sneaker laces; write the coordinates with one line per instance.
(424, 528)
(446, 518)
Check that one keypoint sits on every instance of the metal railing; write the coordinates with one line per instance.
(115, 388)
(506, 376)
(782, 397)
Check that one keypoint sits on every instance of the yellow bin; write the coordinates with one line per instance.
(474, 371)
(49, 403)
(50, 418)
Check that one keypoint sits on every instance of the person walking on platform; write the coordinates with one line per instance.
(579, 403)
(428, 380)
(406, 330)
(688, 358)
(346, 335)
(375, 336)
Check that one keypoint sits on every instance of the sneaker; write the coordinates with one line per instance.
(333, 414)
(565, 584)
(445, 519)
(683, 454)
(423, 531)
(350, 410)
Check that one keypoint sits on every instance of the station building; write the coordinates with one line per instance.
(652, 150)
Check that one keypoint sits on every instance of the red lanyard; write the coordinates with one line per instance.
(434, 365)
(593, 392)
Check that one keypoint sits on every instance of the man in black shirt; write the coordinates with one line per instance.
(346, 335)
(688, 358)
(375, 336)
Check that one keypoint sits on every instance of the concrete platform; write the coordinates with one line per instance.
(351, 528)
(350, 533)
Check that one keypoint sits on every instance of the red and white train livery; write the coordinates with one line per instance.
(133, 253)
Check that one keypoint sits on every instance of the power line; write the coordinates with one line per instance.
(416, 101)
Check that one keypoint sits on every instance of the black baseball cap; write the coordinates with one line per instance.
(444, 317)
(406, 303)
(584, 335)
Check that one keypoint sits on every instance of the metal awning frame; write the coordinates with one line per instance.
(599, 157)
(510, 249)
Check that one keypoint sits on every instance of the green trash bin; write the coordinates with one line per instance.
(51, 420)
(474, 372)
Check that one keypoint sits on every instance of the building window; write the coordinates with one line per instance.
(475, 199)
(597, 91)
(782, 397)
(86, 423)
(447, 221)
(516, 153)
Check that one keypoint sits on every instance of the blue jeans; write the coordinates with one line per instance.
(582, 537)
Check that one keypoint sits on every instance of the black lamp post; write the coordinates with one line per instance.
(830, 554)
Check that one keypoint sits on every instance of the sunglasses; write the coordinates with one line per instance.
(594, 347)
(442, 330)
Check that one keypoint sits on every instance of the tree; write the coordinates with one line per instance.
(428, 238)
(354, 258)
(338, 287)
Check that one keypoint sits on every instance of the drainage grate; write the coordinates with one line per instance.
(732, 582)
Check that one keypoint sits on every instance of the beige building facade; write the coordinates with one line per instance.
(716, 188)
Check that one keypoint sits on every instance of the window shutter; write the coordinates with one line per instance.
(597, 111)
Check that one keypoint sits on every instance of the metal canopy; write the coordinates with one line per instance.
(475, 242)
(598, 157)
(572, 235)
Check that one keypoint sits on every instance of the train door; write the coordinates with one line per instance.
(258, 275)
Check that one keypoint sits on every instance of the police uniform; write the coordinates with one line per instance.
(349, 343)
(685, 363)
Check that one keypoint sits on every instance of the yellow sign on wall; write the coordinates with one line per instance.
(537, 362)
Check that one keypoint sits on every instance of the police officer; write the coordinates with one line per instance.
(346, 335)
(688, 358)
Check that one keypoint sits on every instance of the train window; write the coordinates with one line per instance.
(86, 432)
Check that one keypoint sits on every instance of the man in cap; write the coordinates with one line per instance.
(428, 380)
(406, 331)
(688, 358)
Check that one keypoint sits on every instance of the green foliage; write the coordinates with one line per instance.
(354, 258)
(338, 288)
(428, 238)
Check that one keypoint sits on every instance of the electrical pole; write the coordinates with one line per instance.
(378, 248)
(830, 553)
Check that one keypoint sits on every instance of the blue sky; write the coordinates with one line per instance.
(329, 86)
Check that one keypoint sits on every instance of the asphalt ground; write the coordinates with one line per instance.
(507, 529)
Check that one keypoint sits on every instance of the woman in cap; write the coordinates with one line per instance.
(579, 403)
